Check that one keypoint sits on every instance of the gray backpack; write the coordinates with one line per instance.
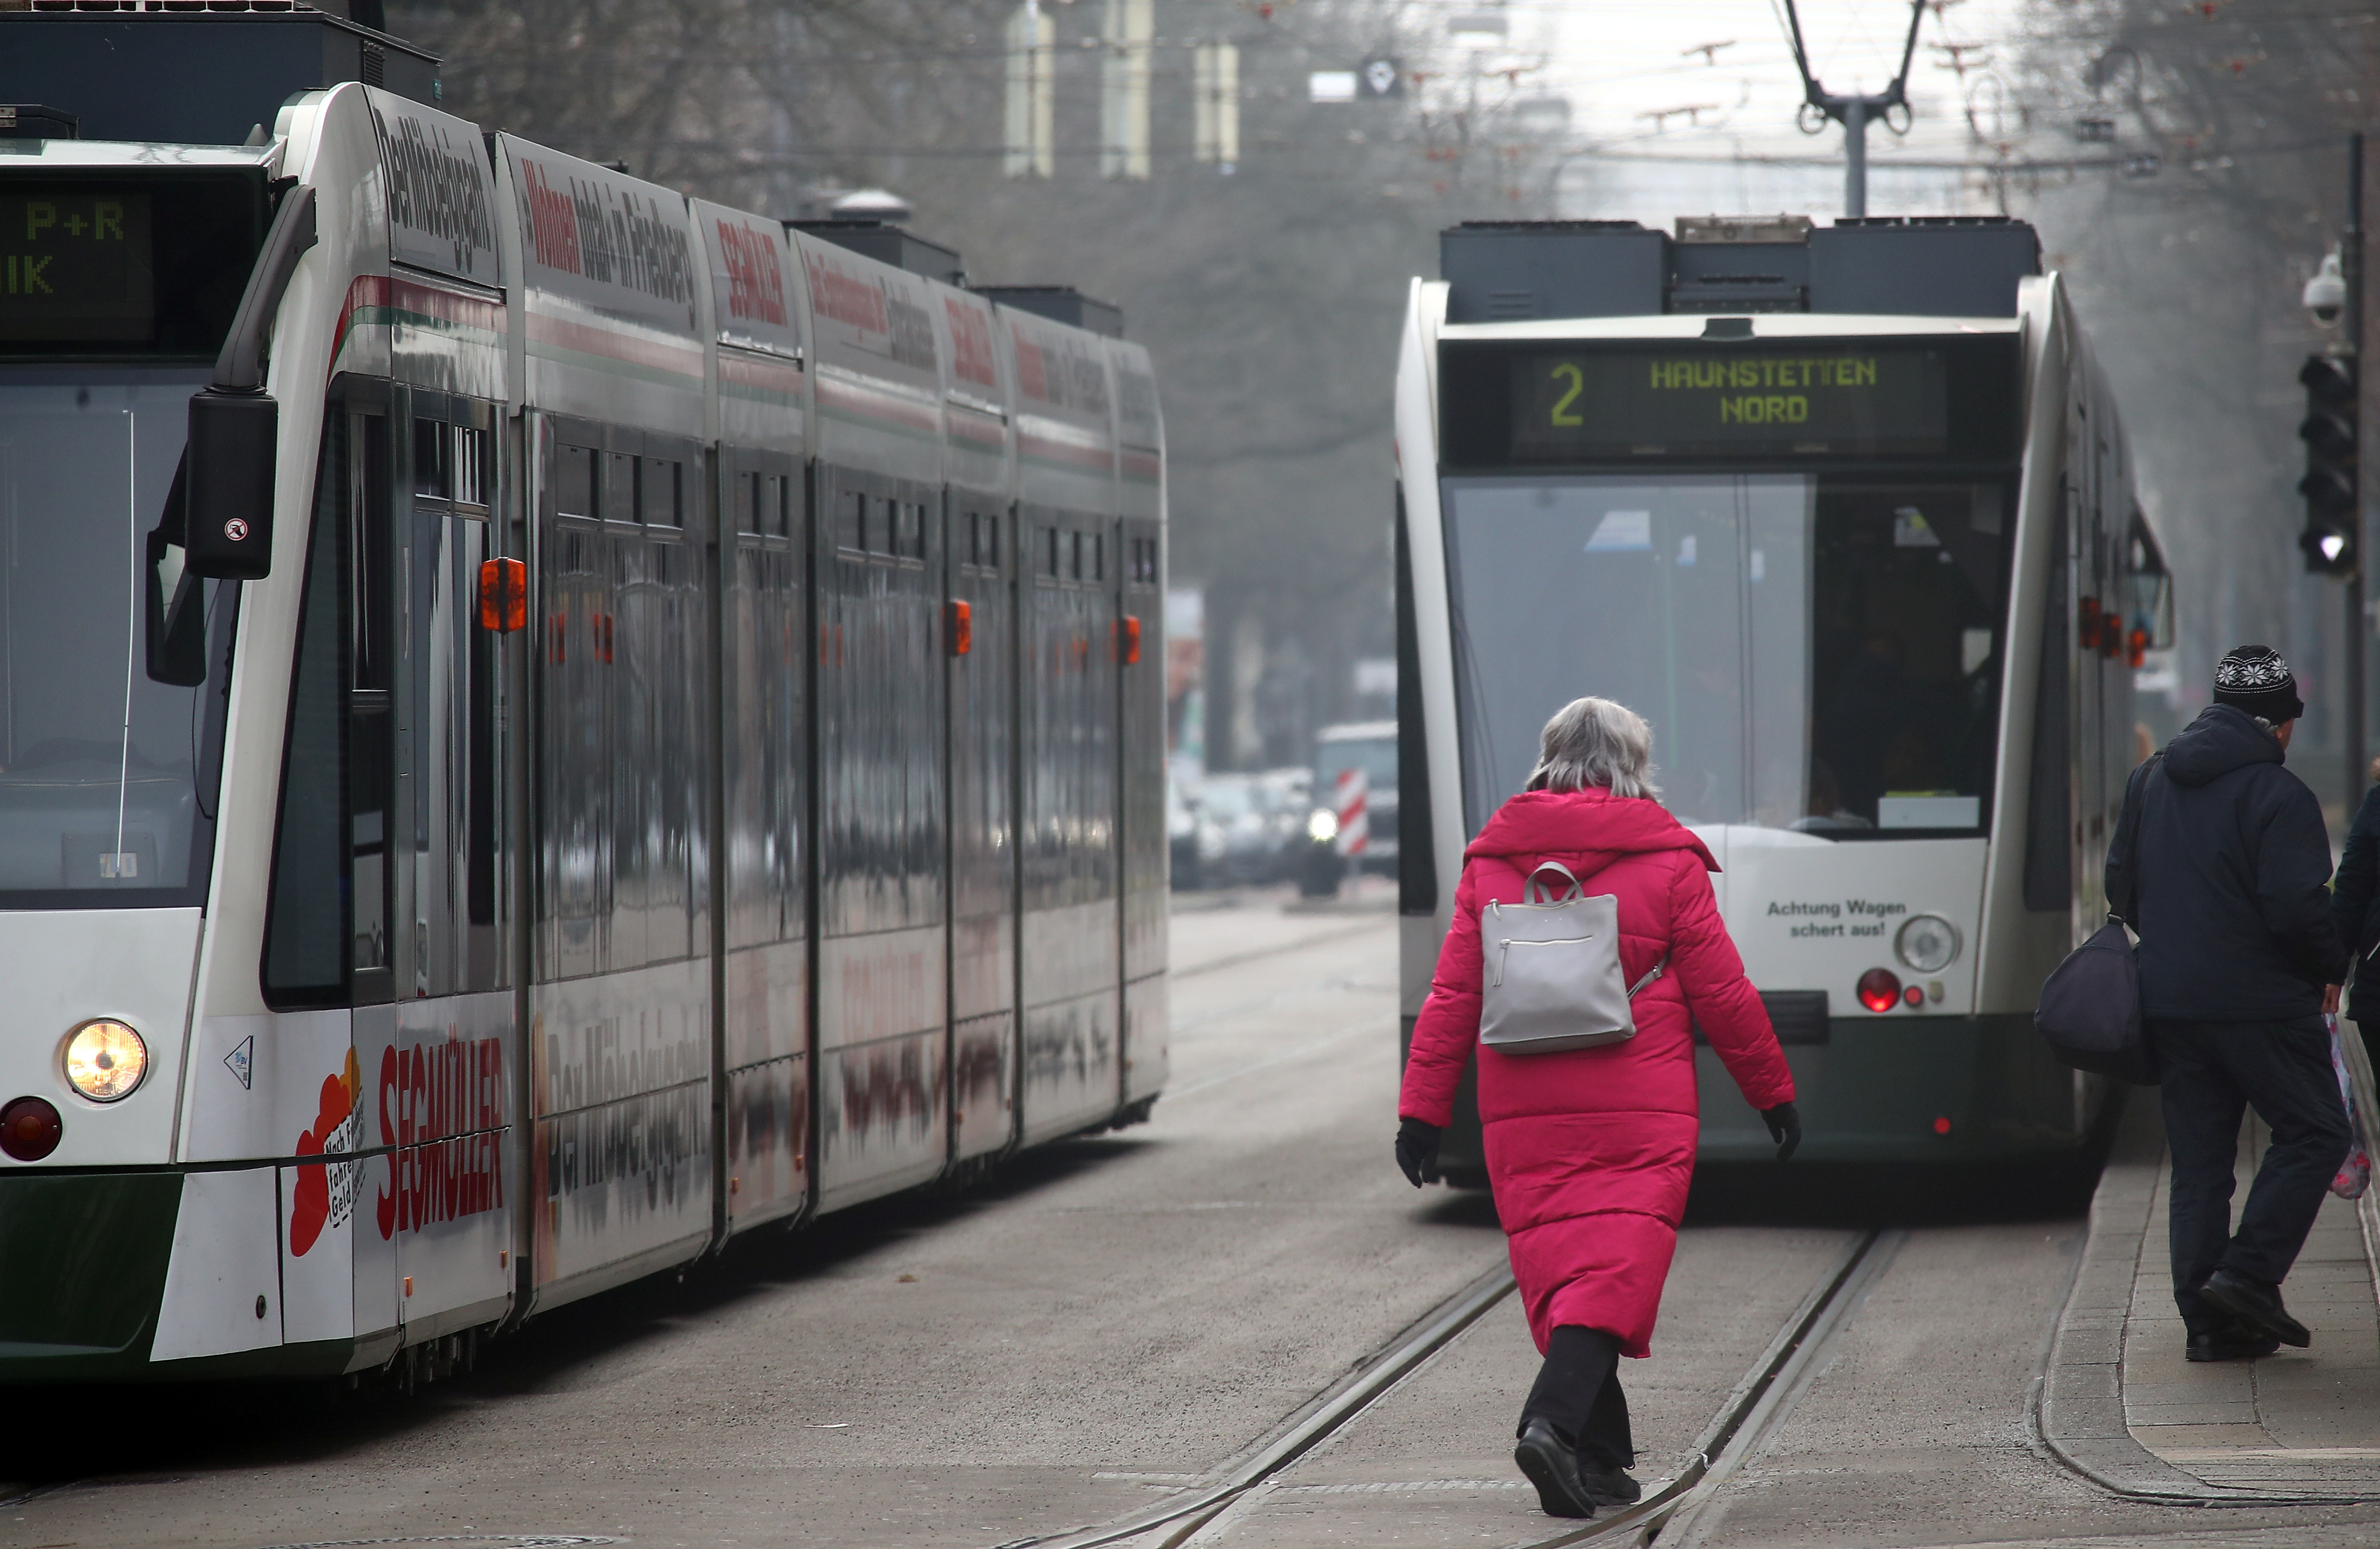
(1550, 976)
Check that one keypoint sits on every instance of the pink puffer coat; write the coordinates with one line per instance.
(1590, 1152)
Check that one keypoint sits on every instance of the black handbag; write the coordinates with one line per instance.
(2090, 1006)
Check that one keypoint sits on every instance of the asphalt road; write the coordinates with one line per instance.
(924, 1370)
(1111, 1318)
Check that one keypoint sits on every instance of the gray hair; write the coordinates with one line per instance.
(1596, 742)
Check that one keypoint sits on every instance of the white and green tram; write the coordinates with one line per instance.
(543, 724)
(1847, 513)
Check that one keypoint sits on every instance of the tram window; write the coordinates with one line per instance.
(431, 475)
(367, 557)
(304, 914)
(747, 503)
(913, 530)
(574, 481)
(1074, 563)
(1820, 653)
(1098, 556)
(619, 487)
(990, 560)
(470, 465)
(850, 522)
(1050, 556)
(780, 505)
(657, 487)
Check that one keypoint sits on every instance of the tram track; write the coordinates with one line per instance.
(1674, 1511)
(1677, 1513)
(1170, 1522)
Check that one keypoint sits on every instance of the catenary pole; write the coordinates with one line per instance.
(2357, 639)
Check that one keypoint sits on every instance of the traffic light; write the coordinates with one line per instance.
(2332, 504)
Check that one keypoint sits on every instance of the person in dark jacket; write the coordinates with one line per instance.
(2353, 896)
(2225, 888)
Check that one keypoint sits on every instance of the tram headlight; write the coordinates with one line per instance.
(1927, 943)
(1322, 828)
(105, 1060)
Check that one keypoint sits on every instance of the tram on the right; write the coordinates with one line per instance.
(1847, 513)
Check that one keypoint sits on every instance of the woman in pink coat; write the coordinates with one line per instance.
(1590, 1151)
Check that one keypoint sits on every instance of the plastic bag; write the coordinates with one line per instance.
(2355, 1173)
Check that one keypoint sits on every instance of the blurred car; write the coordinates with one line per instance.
(1238, 838)
(1369, 745)
(1182, 835)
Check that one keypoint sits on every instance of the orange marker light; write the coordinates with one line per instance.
(962, 628)
(503, 596)
(1131, 639)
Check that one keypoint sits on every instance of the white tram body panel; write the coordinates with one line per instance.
(1950, 616)
(560, 879)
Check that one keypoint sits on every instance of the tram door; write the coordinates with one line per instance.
(982, 665)
(882, 843)
(442, 1078)
(1140, 680)
(764, 857)
(1072, 962)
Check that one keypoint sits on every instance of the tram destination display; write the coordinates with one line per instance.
(1592, 405)
(123, 266)
(75, 264)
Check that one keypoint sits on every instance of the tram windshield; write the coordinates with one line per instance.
(1816, 652)
(106, 776)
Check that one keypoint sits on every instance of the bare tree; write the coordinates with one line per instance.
(2210, 177)
(1270, 291)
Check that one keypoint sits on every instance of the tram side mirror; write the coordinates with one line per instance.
(227, 511)
(175, 635)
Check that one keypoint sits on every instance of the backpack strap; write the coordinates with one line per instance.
(1650, 975)
(1538, 892)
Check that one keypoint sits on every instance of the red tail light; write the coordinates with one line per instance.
(2086, 632)
(1879, 989)
(29, 1128)
(962, 628)
(2111, 635)
(2140, 645)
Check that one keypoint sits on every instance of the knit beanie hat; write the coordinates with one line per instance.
(2255, 679)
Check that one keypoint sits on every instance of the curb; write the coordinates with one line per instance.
(2080, 1417)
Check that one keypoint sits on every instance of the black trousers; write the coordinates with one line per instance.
(1578, 1390)
(2213, 1071)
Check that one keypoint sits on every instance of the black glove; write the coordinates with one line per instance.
(1416, 1147)
(1784, 1128)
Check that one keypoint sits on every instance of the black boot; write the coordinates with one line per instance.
(1552, 1467)
(2233, 1340)
(2254, 1303)
(1609, 1485)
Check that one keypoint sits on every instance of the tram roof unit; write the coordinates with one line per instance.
(1956, 266)
(758, 331)
(979, 391)
(1061, 304)
(878, 379)
(891, 244)
(139, 70)
(1065, 423)
(609, 290)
